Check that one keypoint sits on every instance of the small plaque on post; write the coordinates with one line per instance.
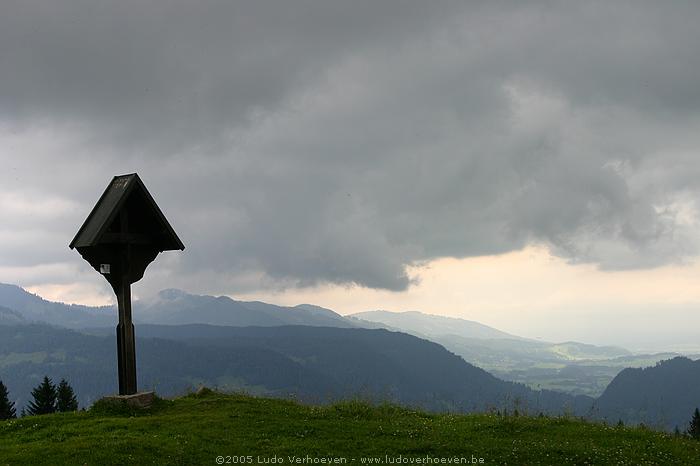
(104, 269)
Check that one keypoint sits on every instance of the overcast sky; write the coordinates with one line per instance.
(344, 152)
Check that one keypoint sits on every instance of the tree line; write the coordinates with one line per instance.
(47, 398)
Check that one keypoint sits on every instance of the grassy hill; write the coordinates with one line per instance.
(197, 429)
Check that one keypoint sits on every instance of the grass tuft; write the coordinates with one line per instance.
(120, 408)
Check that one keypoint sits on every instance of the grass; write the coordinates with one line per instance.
(196, 429)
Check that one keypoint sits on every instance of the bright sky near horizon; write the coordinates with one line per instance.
(534, 166)
(546, 298)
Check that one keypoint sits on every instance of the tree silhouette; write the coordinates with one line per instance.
(66, 400)
(44, 398)
(7, 407)
(694, 427)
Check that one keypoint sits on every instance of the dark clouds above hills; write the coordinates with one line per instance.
(302, 142)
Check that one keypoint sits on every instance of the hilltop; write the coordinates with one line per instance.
(666, 393)
(196, 429)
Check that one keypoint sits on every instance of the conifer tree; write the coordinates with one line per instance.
(694, 428)
(44, 398)
(7, 407)
(66, 400)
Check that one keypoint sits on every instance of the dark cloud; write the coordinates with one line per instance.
(303, 142)
(178, 74)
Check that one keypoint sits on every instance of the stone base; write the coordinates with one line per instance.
(137, 400)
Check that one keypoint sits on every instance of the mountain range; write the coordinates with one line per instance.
(572, 367)
(319, 364)
(170, 307)
(315, 354)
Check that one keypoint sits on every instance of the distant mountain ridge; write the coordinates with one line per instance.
(35, 308)
(486, 345)
(431, 325)
(171, 307)
(175, 307)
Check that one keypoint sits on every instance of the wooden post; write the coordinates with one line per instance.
(126, 346)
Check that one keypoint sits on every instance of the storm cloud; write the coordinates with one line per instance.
(296, 143)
